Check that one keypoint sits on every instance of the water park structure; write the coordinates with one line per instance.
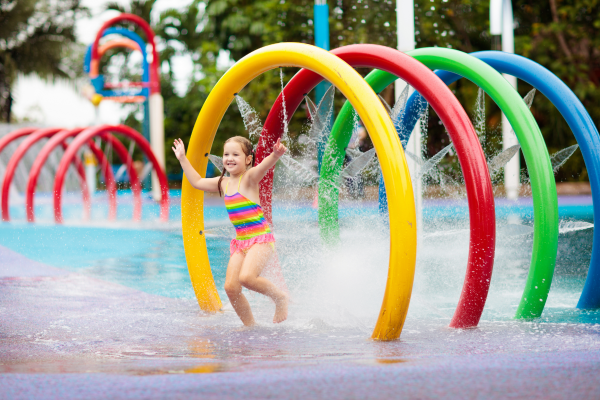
(418, 256)
(531, 141)
(151, 143)
(414, 67)
(147, 91)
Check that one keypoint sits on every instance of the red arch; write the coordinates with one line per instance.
(7, 139)
(468, 149)
(86, 135)
(43, 155)
(154, 75)
(107, 172)
(35, 134)
(11, 167)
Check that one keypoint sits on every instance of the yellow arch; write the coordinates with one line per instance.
(403, 227)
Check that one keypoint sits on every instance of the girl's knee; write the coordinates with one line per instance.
(246, 279)
(233, 289)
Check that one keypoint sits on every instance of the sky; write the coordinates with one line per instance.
(61, 104)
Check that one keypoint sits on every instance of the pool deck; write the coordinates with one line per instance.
(68, 336)
(531, 376)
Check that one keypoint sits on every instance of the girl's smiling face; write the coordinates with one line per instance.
(235, 161)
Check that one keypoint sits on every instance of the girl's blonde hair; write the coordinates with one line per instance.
(247, 148)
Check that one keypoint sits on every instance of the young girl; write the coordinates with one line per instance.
(254, 244)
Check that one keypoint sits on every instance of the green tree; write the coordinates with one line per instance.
(37, 37)
(563, 36)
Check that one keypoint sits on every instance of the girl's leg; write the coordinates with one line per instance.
(233, 288)
(256, 259)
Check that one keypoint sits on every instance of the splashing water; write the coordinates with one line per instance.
(559, 158)
(252, 121)
(424, 124)
(305, 174)
(354, 139)
(321, 115)
(358, 164)
(399, 109)
(353, 152)
(479, 124)
(528, 99)
(285, 136)
(573, 226)
(216, 161)
(514, 230)
(427, 167)
(502, 159)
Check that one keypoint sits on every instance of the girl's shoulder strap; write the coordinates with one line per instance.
(239, 182)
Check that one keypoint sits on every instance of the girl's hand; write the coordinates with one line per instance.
(179, 149)
(279, 149)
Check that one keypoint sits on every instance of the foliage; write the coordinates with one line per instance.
(563, 36)
(37, 37)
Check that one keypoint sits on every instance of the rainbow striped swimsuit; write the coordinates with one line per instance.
(248, 220)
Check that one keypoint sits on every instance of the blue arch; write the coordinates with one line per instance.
(574, 113)
(129, 35)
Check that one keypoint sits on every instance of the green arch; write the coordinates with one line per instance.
(543, 185)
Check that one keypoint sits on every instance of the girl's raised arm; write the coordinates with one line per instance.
(257, 173)
(205, 184)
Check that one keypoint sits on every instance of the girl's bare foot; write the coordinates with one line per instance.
(281, 308)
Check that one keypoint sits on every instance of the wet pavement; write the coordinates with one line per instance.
(67, 335)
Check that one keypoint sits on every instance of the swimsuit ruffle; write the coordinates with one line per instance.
(240, 245)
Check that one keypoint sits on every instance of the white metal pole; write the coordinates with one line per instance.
(157, 138)
(405, 22)
(89, 159)
(512, 170)
(502, 23)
